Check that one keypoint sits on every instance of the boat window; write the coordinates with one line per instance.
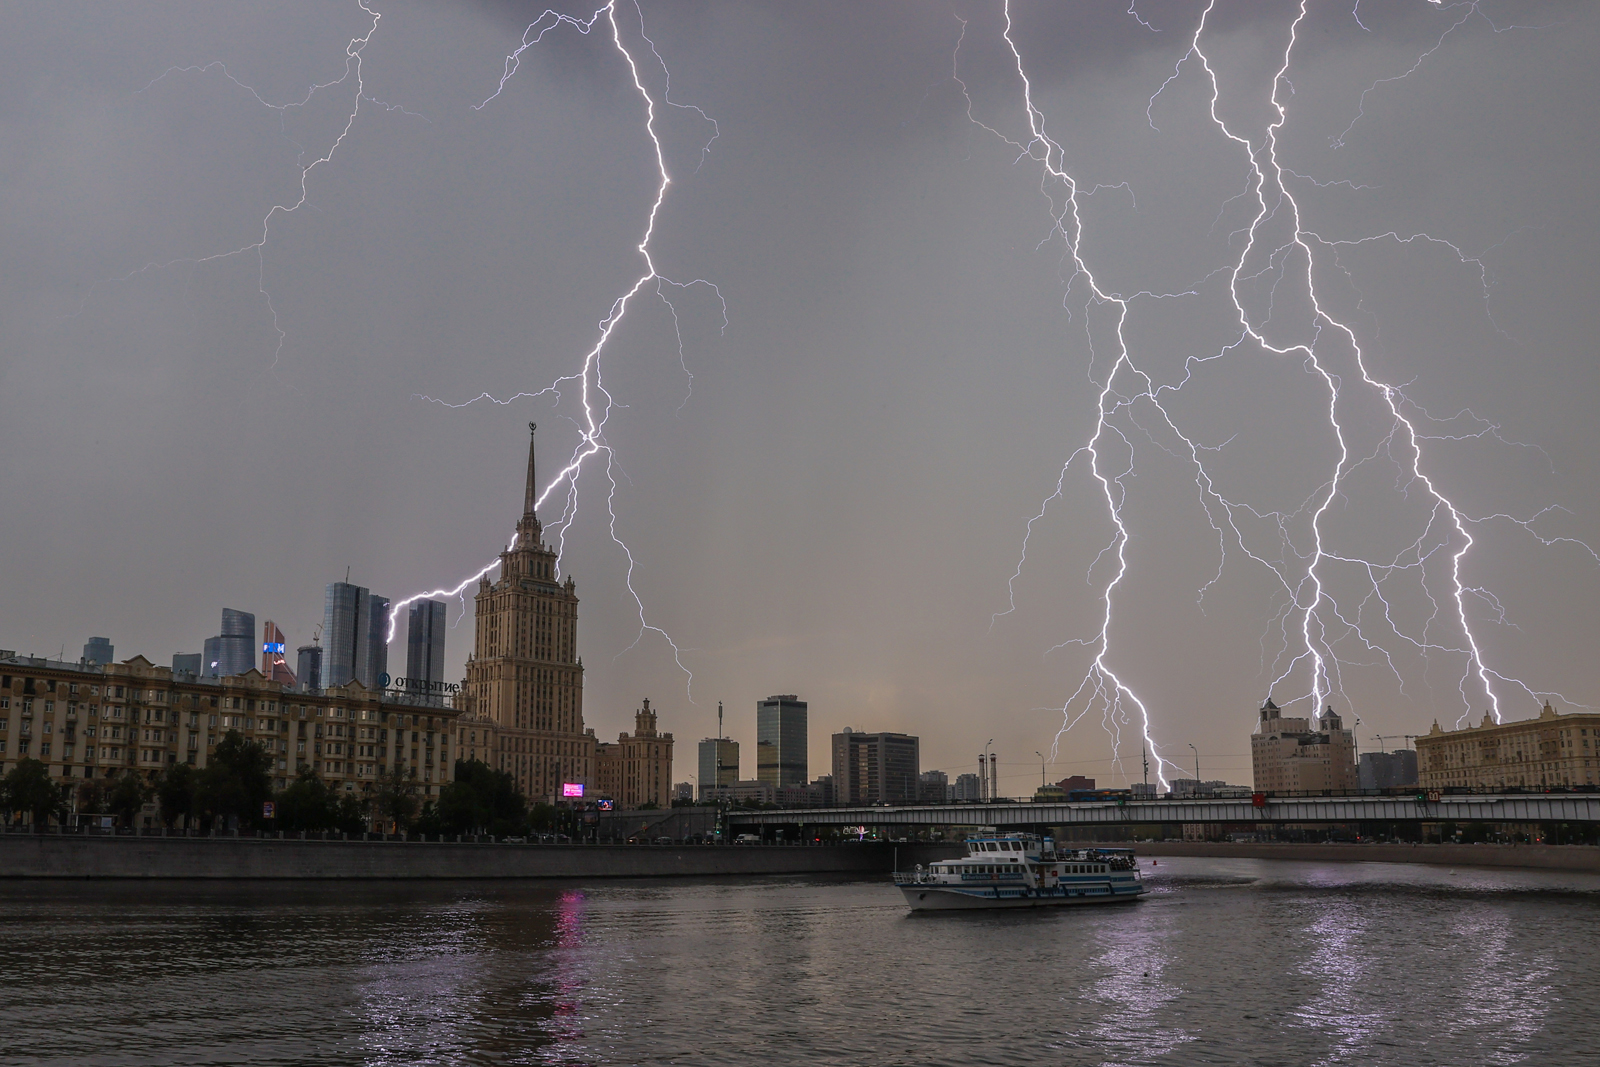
(993, 847)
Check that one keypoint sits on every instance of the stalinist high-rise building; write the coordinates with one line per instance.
(523, 700)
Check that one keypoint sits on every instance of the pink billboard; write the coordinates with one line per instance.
(572, 789)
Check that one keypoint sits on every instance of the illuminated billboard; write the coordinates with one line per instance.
(572, 789)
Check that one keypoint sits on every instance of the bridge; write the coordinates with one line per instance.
(1431, 807)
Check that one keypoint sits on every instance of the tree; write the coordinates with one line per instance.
(482, 799)
(236, 780)
(27, 787)
(311, 804)
(396, 798)
(126, 794)
(306, 804)
(175, 790)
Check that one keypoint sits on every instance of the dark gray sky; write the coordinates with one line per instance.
(836, 501)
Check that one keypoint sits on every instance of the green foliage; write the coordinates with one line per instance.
(649, 806)
(125, 795)
(482, 800)
(175, 791)
(396, 798)
(92, 796)
(311, 804)
(27, 788)
(236, 780)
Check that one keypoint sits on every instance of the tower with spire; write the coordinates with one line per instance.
(524, 687)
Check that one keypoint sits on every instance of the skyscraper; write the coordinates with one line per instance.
(237, 643)
(425, 644)
(274, 664)
(211, 658)
(354, 626)
(719, 765)
(308, 667)
(186, 663)
(781, 740)
(98, 650)
(875, 768)
(525, 677)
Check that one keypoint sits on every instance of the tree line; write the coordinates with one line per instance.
(232, 790)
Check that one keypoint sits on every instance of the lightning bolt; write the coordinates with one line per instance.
(1312, 619)
(352, 73)
(594, 400)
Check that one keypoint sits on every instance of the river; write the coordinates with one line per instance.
(1225, 962)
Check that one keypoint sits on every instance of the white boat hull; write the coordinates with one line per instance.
(931, 897)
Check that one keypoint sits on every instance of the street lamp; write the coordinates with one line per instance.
(1036, 752)
(1196, 752)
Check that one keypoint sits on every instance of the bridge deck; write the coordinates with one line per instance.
(1511, 808)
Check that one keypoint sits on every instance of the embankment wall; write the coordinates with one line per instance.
(72, 856)
(1545, 857)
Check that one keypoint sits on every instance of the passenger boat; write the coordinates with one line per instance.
(1022, 871)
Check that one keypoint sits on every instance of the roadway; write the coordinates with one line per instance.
(1503, 808)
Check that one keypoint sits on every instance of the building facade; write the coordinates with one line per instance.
(719, 765)
(1388, 770)
(524, 685)
(1551, 750)
(933, 787)
(99, 650)
(236, 645)
(1296, 755)
(781, 740)
(308, 667)
(880, 768)
(355, 629)
(637, 769)
(85, 721)
(966, 787)
(425, 629)
(274, 661)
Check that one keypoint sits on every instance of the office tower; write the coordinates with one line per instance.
(186, 663)
(308, 668)
(719, 765)
(933, 787)
(967, 787)
(98, 650)
(875, 768)
(354, 627)
(524, 675)
(274, 664)
(211, 658)
(425, 645)
(235, 646)
(781, 740)
(1387, 770)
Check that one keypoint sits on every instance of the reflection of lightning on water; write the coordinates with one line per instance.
(1312, 620)
(593, 398)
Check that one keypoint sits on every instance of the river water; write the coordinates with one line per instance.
(1225, 962)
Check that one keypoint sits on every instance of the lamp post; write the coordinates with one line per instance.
(1196, 752)
(1036, 752)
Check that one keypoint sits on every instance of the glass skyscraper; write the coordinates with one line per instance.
(425, 644)
(354, 626)
(98, 650)
(308, 668)
(781, 740)
(234, 650)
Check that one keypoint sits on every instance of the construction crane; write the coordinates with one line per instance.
(1381, 738)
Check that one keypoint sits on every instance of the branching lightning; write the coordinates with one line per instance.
(1312, 623)
(594, 400)
(352, 72)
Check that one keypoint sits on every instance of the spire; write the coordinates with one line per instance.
(531, 494)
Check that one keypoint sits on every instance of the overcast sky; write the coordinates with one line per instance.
(829, 495)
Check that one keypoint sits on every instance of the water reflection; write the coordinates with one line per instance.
(1237, 962)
